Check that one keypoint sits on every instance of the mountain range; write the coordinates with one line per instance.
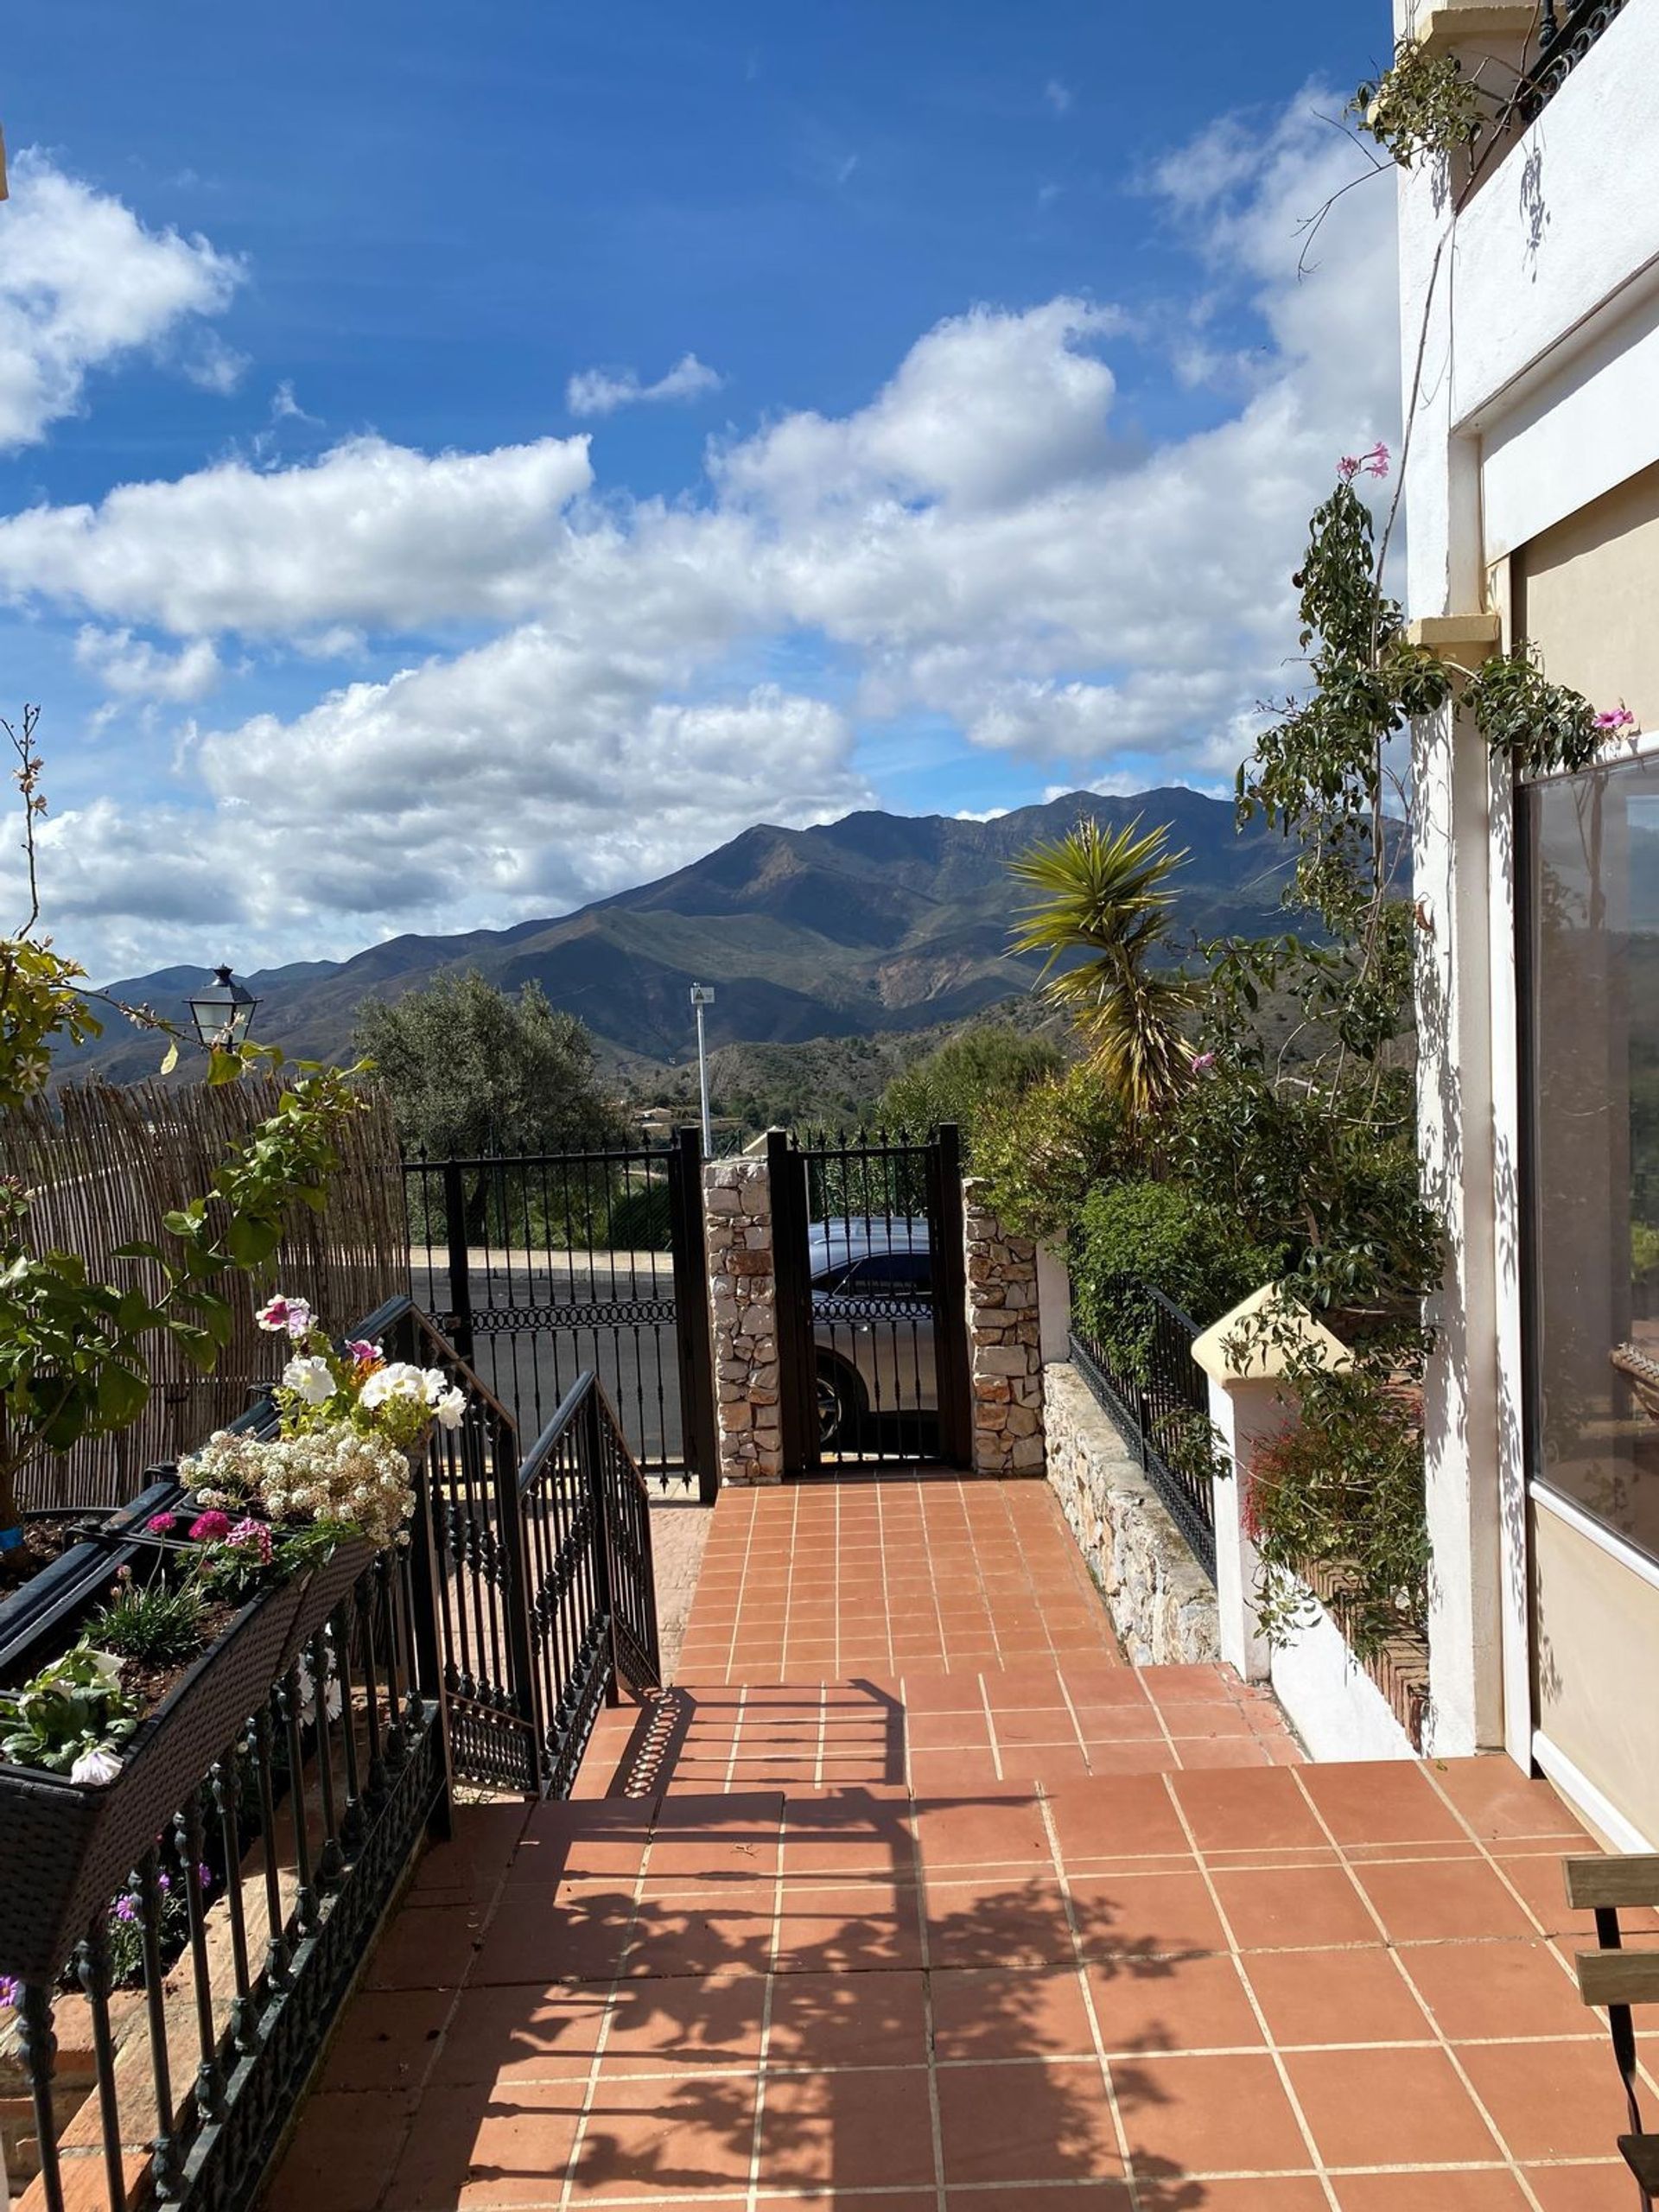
(876, 924)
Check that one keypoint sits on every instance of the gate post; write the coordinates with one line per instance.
(694, 1338)
(461, 1276)
(798, 1408)
(590, 1459)
(951, 1367)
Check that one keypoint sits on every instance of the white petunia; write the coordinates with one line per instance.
(309, 1377)
(450, 1409)
(99, 1767)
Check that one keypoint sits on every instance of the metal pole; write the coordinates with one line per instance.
(701, 996)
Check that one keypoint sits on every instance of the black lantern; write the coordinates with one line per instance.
(223, 1010)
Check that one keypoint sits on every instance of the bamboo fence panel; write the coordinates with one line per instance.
(103, 1164)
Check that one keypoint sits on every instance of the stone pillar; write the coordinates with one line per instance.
(737, 1203)
(1005, 1352)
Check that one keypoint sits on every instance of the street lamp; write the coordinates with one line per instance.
(700, 997)
(222, 1011)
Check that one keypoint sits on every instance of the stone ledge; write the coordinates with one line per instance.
(1161, 1602)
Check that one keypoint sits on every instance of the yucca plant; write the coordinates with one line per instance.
(1105, 896)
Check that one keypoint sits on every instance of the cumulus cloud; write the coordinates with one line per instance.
(83, 284)
(371, 534)
(133, 668)
(985, 541)
(602, 391)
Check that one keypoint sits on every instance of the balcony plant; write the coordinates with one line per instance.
(267, 1537)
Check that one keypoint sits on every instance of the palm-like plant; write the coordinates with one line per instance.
(1105, 896)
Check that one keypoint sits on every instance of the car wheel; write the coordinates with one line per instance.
(837, 1410)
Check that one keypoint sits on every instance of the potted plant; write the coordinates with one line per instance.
(109, 1717)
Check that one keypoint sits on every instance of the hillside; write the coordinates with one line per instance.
(874, 926)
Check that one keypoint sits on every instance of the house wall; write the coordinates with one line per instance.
(1529, 338)
(1587, 592)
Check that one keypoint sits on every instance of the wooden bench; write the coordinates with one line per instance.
(1617, 1979)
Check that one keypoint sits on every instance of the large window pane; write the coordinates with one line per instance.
(1591, 915)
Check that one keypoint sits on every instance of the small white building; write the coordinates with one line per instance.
(1531, 352)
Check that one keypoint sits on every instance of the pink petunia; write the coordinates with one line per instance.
(362, 1353)
(1614, 718)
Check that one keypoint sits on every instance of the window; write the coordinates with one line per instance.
(893, 1274)
(1592, 1074)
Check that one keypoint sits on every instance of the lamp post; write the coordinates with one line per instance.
(700, 997)
(222, 1012)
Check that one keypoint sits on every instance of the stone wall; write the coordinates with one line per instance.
(1005, 1350)
(737, 1201)
(1161, 1602)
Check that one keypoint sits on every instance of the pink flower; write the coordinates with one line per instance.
(210, 1528)
(1374, 463)
(1348, 467)
(254, 1536)
(162, 1524)
(1204, 1063)
(362, 1353)
(289, 1316)
(1614, 718)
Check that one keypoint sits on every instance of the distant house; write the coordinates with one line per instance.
(1530, 335)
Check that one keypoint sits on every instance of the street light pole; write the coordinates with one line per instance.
(700, 997)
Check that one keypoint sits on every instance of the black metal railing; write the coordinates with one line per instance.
(210, 1974)
(590, 1613)
(1567, 31)
(540, 1266)
(1146, 1378)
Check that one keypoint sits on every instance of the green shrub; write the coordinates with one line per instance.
(1160, 1235)
(156, 1623)
(1041, 1154)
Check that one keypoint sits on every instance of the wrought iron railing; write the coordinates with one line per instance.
(1147, 1379)
(205, 1982)
(1567, 31)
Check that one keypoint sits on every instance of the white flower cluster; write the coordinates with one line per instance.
(351, 1477)
(425, 1386)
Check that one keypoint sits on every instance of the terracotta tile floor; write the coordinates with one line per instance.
(902, 1988)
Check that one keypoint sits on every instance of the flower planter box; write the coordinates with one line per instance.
(66, 1847)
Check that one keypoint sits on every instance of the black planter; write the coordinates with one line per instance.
(66, 1848)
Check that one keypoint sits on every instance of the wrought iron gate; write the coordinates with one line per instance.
(871, 1300)
(538, 1267)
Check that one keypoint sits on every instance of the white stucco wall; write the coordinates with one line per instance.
(1530, 362)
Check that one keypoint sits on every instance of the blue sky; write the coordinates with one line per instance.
(994, 403)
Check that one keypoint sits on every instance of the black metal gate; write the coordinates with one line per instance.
(538, 1267)
(872, 1305)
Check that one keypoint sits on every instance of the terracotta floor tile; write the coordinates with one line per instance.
(1202, 2115)
(1196, 1719)
(1243, 1810)
(1000, 1918)
(1192, 2003)
(511, 2034)
(934, 1731)
(1442, 1901)
(649, 2137)
(1021, 1689)
(1378, 2107)
(580, 1937)
(1154, 1755)
(1036, 1724)
(728, 1931)
(849, 1927)
(1335, 1996)
(476, 2146)
(1050, 1765)
(473, 1860)
(822, 2020)
(1388, 1801)
(685, 2023)
(428, 1946)
(847, 2131)
(1446, 2192)
(1205, 1753)
(1589, 2187)
(1281, 2194)
(939, 1773)
(340, 2152)
(985, 1830)
(1047, 2121)
(1143, 1915)
(1138, 1723)
(387, 2039)
(1111, 1816)
(1092, 2196)
(1550, 2100)
(1499, 1989)
(1173, 1686)
(1001, 2012)
(1303, 1907)
(1500, 1802)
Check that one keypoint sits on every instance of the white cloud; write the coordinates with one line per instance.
(132, 668)
(602, 391)
(83, 284)
(372, 534)
(983, 543)
(1058, 96)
